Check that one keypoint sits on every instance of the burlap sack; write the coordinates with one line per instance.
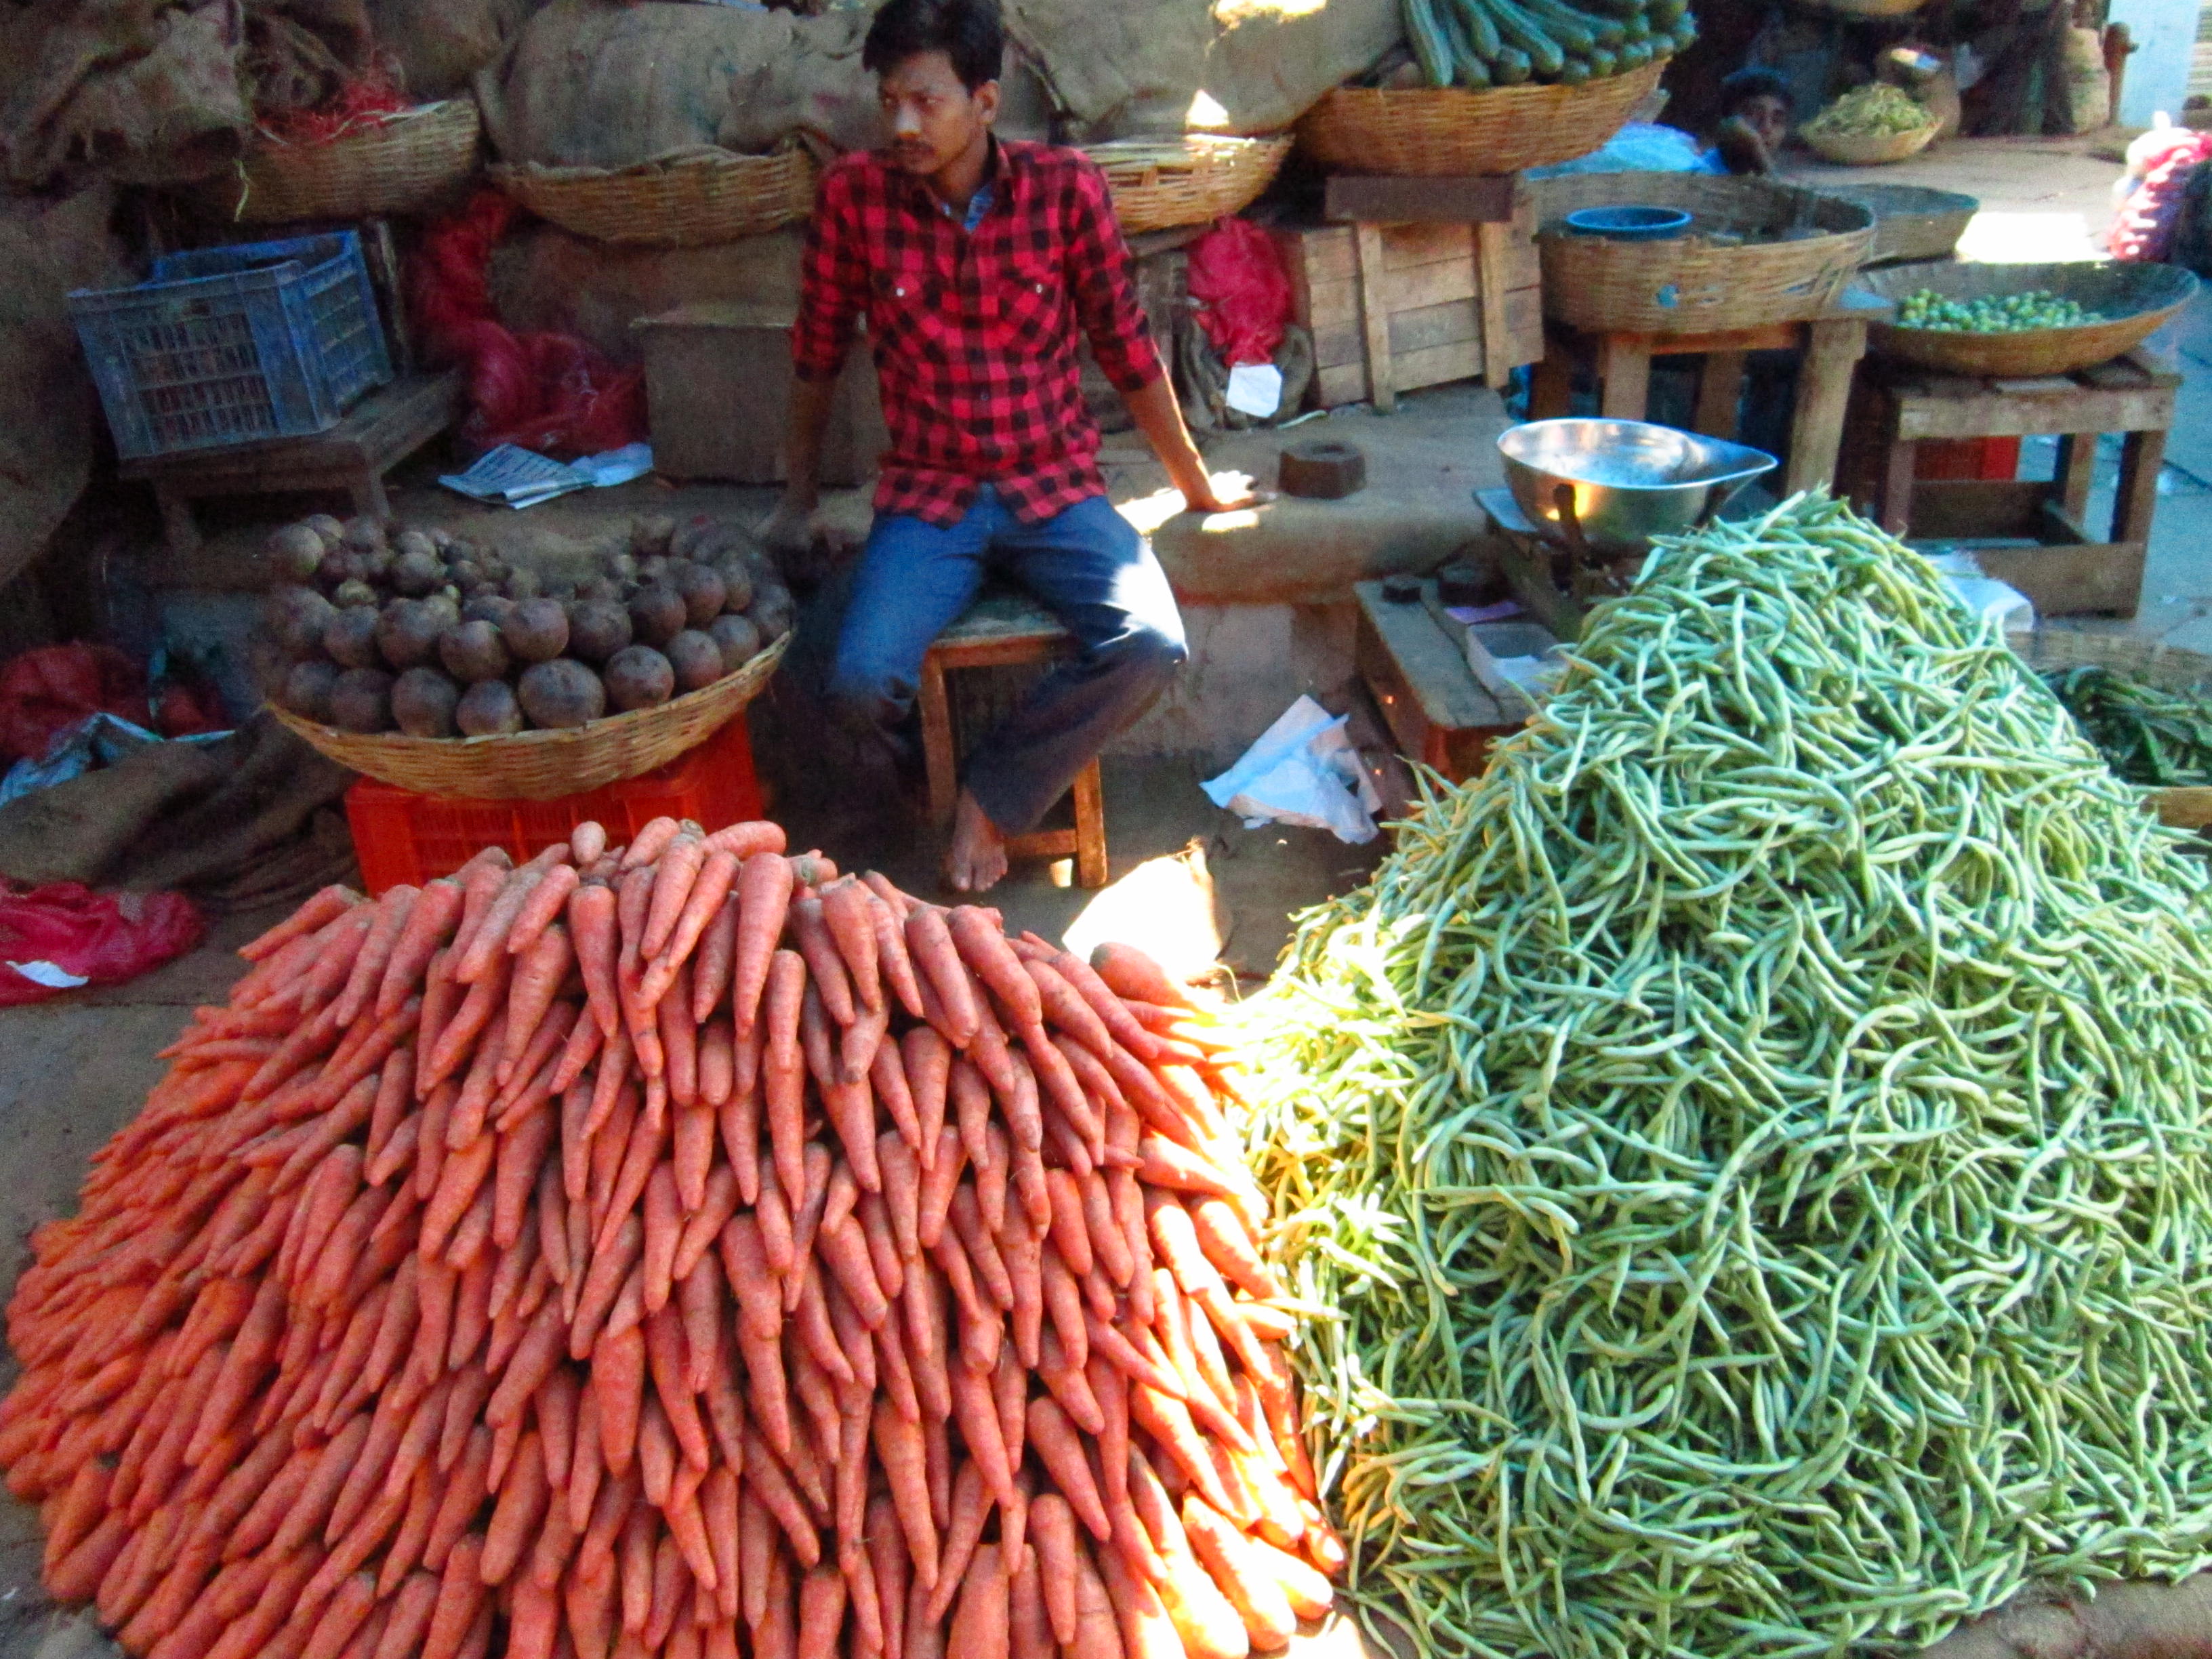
(439, 44)
(587, 84)
(1158, 66)
(47, 410)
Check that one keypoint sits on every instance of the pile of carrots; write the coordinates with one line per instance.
(671, 1248)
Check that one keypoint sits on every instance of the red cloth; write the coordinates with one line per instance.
(550, 392)
(975, 333)
(1242, 291)
(43, 693)
(65, 932)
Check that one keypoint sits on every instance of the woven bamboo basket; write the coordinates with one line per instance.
(546, 765)
(1870, 7)
(2136, 299)
(1911, 221)
(1430, 132)
(1870, 150)
(2167, 667)
(694, 197)
(1755, 252)
(403, 163)
(1193, 180)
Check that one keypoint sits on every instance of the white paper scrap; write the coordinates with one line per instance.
(1255, 389)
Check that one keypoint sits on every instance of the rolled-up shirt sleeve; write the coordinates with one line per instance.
(1102, 277)
(833, 283)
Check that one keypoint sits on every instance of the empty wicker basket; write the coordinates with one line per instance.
(694, 198)
(1755, 252)
(2135, 298)
(1448, 131)
(1159, 183)
(1911, 221)
(400, 163)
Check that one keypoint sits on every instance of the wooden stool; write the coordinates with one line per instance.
(1828, 348)
(381, 431)
(2067, 572)
(1005, 630)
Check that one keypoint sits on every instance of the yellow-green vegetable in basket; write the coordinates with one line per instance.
(1877, 110)
(1993, 313)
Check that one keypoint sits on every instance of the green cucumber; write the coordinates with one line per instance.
(1637, 53)
(1428, 42)
(1510, 67)
(1545, 57)
(1603, 62)
(1481, 30)
(1564, 26)
(1574, 72)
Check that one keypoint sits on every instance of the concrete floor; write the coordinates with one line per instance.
(74, 1070)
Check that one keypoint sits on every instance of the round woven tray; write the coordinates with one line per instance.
(1436, 132)
(1704, 280)
(2167, 667)
(694, 197)
(403, 163)
(2136, 298)
(546, 765)
(1911, 221)
(1869, 149)
(1160, 184)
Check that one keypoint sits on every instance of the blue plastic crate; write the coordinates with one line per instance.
(234, 345)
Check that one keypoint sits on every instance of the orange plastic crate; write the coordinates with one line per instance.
(401, 836)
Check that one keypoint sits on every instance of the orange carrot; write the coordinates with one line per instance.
(1052, 1532)
(717, 1064)
(652, 841)
(764, 888)
(490, 939)
(677, 871)
(782, 1069)
(482, 880)
(664, 1226)
(1131, 974)
(367, 975)
(545, 902)
(899, 1450)
(892, 958)
(765, 1477)
(460, 1593)
(747, 839)
(943, 976)
(618, 1386)
(712, 965)
(983, 947)
(326, 906)
(591, 927)
(537, 979)
(587, 842)
(847, 912)
(519, 1513)
(980, 1628)
(1060, 1448)
(826, 969)
(717, 873)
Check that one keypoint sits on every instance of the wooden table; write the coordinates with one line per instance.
(2067, 572)
(1829, 347)
(1004, 629)
(381, 431)
(1419, 677)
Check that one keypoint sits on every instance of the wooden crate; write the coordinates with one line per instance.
(1416, 302)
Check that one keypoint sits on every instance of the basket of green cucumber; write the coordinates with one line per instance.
(1510, 84)
(2015, 320)
(1755, 252)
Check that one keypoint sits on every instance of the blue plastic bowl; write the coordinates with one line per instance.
(1629, 224)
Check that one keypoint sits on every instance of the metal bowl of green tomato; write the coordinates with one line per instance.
(1965, 318)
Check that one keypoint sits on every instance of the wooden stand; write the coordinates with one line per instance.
(1829, 348)
(1440, 714)
(1005, 630)
(382, 430)
(1431, 279)
(2068, 573)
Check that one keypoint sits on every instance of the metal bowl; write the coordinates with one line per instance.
(1616, 485)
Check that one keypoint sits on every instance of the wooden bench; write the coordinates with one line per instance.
(381, 431)
(1005, 630)
(2067, 571)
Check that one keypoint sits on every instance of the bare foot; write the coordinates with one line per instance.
(976, 860)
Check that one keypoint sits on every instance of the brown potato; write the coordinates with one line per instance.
(473, 651)
(561, 694)
(537, 630)
(407, 632)
(361, 701)
(738, 639)
(297, 618)
(597, 629)
(695, 658)
(297, 551)
(703, 592)
(351, 638)
(307, 688)
(658, 614)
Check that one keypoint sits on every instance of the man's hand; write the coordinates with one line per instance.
(1225, 492)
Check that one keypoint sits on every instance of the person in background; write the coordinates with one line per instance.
(1754, 125)
(979, 262)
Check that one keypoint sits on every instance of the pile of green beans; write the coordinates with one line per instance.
(1755, 1140)
(2147, 735)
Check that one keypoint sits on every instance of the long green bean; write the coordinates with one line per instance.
(1755, 1140)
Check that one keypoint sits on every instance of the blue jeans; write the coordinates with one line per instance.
(1086, 565)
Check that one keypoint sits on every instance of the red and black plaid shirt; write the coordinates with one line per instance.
(975, 332)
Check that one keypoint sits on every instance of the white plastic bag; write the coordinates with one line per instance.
(1302, 771)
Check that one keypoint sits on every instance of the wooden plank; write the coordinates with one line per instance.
(2182, 808)
(1425, 244)
(2136, 498)
(1341, 344)
(1491, 286)
(1375, 318)
(1454, 323)
(1945, 509)
(389, 422)
(1471, 200)
(1432, 284)
(1524, 325)
(1824, 386)
(2077, 470)
(1981, 413)
(1720, 389)
(1437, 365)
(2116, 375)
(1624, 371)
(1343, 383)
(1444, 690)
(2088, 579)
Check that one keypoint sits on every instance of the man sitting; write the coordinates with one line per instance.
(976, 260)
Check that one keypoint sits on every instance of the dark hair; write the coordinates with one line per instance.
(968, 32)
(1744, 85)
